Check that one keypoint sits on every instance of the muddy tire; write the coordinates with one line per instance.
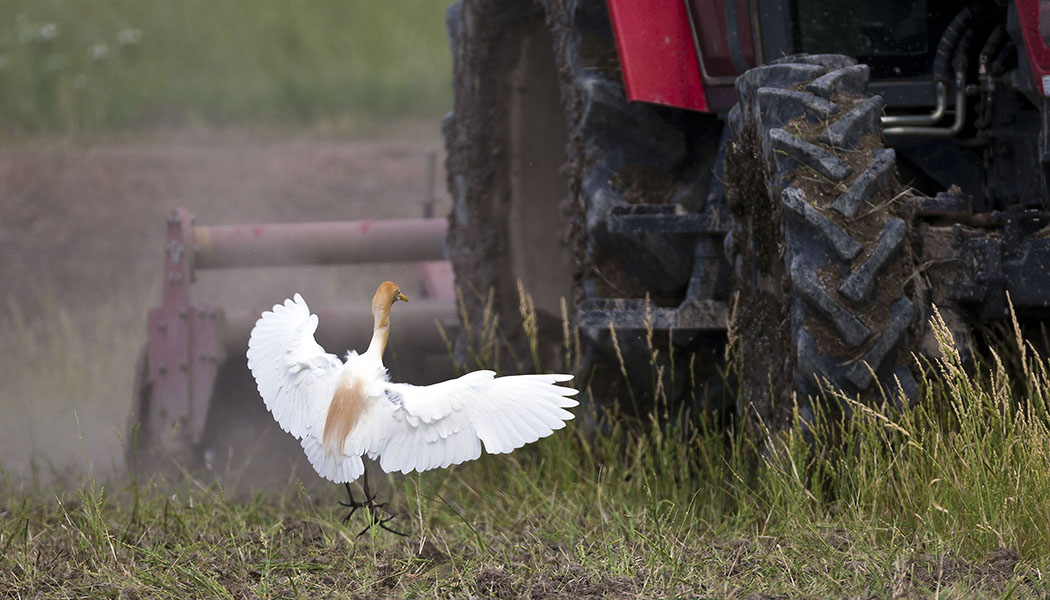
(822, 265)
(541, 146)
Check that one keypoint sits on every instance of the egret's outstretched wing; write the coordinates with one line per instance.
(446, 423)
(296, 377)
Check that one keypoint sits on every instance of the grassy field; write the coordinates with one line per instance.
(950, 498)
(93, 65)
(947, 499)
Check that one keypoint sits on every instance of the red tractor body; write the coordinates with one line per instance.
(676, 53)
(657, 55)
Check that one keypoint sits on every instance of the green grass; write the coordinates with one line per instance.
(89, 65)
(949, 498)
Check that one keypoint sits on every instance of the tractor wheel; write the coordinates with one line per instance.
(542, 145)
(824, 294)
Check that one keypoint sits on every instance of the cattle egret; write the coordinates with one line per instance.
(343, 410)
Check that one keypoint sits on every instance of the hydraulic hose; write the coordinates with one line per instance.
(942, 62)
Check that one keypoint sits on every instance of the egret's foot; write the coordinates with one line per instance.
(374, 509)
(381, 522)
(353, 504)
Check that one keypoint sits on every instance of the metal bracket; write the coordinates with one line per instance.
(667, 218)
(699, 311)
(184, 348)
(944, 204)
(1015, 259)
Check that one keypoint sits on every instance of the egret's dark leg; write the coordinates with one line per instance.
(373, 508)
(373, 511)
(352, 504)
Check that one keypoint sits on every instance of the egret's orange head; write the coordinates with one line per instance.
(387, 294)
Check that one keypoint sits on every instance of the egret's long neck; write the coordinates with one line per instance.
(381, 331)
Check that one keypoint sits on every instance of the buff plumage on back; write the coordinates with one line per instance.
(343, 413)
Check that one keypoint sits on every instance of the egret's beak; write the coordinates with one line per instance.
(401, 297)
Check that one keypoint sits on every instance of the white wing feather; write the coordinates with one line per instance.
(340, 468)
(296, 377)
(445, 424)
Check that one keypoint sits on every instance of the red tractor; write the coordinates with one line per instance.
(800, 180)
(797, 181)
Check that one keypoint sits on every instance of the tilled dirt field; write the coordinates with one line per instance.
(82, 234)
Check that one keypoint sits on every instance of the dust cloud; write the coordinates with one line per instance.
(82, 234)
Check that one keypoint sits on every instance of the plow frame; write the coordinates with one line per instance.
(189, 341)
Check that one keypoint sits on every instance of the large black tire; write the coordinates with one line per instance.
(541, 146)
(823, 270)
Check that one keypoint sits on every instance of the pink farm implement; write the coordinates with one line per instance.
(190, 342)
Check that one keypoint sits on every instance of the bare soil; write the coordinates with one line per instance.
(82, 232)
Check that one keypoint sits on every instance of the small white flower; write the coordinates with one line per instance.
(47, 32)
(99, 52)
(129, 37)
